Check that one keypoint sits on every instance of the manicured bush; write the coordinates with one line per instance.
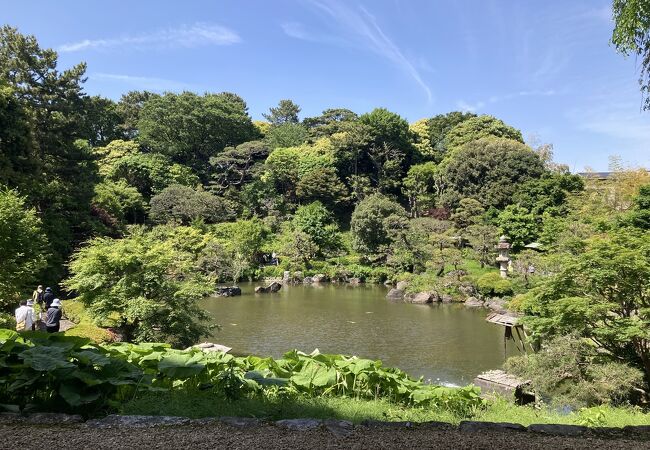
(491, 284)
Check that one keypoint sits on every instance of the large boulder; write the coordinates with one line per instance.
(473, 302)
(402, 285)
(422, 298)
(273, 287)
(308, 280)
(319, 278)
(497, 305)
(227, 291)
(446, 298)
(298, 276)
(395, 295)
(355, 281)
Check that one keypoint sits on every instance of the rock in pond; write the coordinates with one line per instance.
(402, 285)
(273, 287)
(496, 305)
(395, 294)
(473, 302)
(422, 298)
(228, 291)
(355, 281)
(446, 298)
(209, 347)
(318, 278)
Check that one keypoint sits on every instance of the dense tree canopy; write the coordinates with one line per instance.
(190, 128)
(474, 128)
(490, 170)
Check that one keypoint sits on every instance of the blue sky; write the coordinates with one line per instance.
(544, 67)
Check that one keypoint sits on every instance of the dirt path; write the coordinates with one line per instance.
(218, 435)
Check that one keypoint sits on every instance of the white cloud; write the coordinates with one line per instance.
(145, 83)
(469, 107)
(195, 35)
(480, 104)
(365, 31)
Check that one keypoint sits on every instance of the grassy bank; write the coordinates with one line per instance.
(198, 404)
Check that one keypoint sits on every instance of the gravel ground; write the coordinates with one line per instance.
(218, 435)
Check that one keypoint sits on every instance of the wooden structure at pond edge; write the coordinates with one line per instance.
(512, 326)
(501, 383)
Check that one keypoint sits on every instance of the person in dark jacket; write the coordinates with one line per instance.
(54, 313)
(48, 297)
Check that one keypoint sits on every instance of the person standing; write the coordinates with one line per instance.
(48, 297)
(30, 324)
(53, 319)
(24, 317)
(37, 298)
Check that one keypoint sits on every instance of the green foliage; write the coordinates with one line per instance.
(469, 212)
(421, 185)
(330, 122)
(519, 225)
(286, 112)
(190, 128)
(80, 376)
(388, 148)
(181, 205)
(640, 215)
(287, 167)
(491, 284)
(631, 36)
(568, 371)
(245, 238)
(475, 128)
(146, 282)
(23, 246)
(438, 128)
(600, 293)
(322, 184)
(549, 193)
(373, 222)
(101, 121)
(44, 147)
(286, 135)
(236, 167)
(318, 223)
(490, 170)
(150, 173)
(121, 201)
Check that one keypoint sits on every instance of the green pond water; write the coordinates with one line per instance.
(444, 343)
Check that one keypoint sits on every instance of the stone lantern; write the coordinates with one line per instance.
(503, 259)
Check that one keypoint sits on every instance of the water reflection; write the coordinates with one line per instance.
(444, 343)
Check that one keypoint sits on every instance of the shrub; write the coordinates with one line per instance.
(568, 371)
(91, 331)
(182, 204)
(491, 284)
(7, 321)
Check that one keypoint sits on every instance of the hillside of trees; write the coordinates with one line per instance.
(139, 207)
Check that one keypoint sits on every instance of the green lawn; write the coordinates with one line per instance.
(195, 404)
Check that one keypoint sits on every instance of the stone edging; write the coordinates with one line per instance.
(338, 428)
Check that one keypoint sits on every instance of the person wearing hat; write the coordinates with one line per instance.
(53, 318)
(31, 322)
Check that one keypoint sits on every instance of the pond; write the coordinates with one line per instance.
(448, 344)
